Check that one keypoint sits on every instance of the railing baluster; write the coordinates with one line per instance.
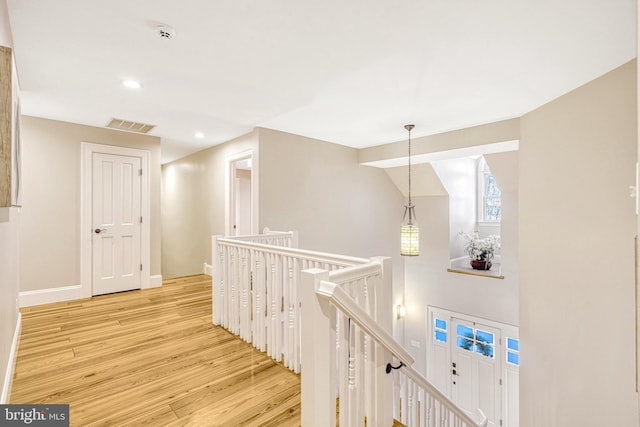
(228, 279)
(295, 298)
(271, 304)
(257, 294)
(245, 284)
(343, 371)
(277, 308)
(361, 384)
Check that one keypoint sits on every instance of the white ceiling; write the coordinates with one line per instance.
(352, 72)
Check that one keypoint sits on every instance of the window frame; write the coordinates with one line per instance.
(483, 173)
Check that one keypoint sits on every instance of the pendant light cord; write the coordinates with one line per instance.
(409, 167)
(410, 206)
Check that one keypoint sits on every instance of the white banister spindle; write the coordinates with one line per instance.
(216, 269)
(277, 308)
(343, 370)
(427, 409)
(370, 389)
(295, 300)
(290, 314)
(271, 303)
(226, 288)
(361, 380)
(235, 282)
(404, 400)
(353, 379)
(245, 285)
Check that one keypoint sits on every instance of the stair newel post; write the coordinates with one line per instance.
(216, 273)
(384, 317)
(318, 348)
(294, 240)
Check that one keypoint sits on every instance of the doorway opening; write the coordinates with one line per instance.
(241, 191)
(115, 219)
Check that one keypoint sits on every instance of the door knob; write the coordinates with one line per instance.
(99, 230)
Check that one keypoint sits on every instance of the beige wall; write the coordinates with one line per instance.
(314, 187)
(193, 206)
(638, 216)
(319, 189)
(9, 224)
(50, 224)
(6, 38)
(577, 226)
(337, 205)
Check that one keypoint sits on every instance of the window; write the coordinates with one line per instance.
(513, 351)
(440, 330)
(476, 340)
(489, 196)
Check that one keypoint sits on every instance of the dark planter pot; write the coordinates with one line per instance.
(480, 265)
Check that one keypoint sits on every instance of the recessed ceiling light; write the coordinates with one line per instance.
(131, 84)
(198, 135)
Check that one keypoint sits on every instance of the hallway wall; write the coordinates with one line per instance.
(193, 205)
(577, 311)
(50, 225)
(9, 262)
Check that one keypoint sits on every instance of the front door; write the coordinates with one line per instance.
(116, 223)
(475, 369)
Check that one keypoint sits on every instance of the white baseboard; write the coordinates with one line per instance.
(11, 363)
(68, 293)
(207, 269)
(47, 296)
(155, 281)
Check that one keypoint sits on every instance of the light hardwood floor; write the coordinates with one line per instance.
(150, 357)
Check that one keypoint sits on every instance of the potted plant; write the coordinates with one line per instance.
(481, 251)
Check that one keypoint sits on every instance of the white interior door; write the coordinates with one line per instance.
(476, 368)
(116, 223)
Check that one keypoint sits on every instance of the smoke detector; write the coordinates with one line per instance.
(166, 31)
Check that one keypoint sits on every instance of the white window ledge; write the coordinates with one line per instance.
(461, 266)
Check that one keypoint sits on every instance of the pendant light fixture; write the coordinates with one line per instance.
(409, 232)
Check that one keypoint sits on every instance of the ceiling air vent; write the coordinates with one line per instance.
(130, 126)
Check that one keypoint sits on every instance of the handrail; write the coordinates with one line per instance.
(267, 235)
(354, 272)
(281, 250)
(341, 300)
(258, 296)
(256, 289)
(416, 377)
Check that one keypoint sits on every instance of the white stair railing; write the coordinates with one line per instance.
(361, 367)
(341, 360)
(256, 282)
(342, 342)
